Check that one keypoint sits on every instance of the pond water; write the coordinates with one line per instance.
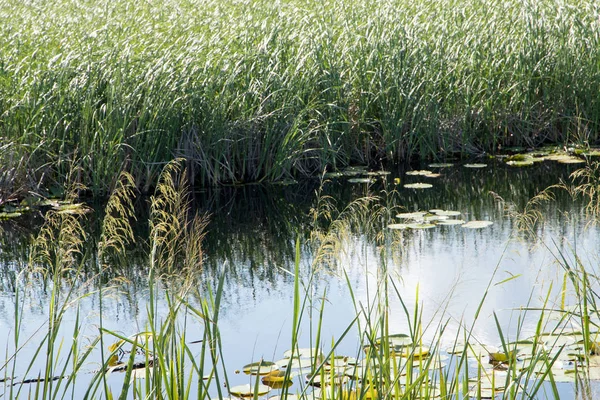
(446, 270)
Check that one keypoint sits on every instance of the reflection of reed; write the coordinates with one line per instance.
(253, 228)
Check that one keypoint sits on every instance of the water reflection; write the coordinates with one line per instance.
(251, 239)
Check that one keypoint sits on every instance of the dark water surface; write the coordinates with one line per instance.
(251, 240)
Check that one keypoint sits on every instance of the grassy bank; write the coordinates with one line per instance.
(265, 90)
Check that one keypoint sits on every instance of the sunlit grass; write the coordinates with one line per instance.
(263, 90)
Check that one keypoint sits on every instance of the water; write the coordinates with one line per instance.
(251, 239)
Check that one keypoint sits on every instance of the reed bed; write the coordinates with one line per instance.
(269, 90)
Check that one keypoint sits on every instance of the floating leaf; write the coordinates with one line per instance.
(418, 172)
(417, 352)
(475, 165)
(412, 215)
(501, 358)
(447, 213)
(525, 163)
(451, 222)
(326, 378)
(302, 353)
(420, 226)
(441, 165)
(432, 218)
(397, 226)
(277, 379)
(260, 367)
(295, 363)
(378, 173)
(360, 180)
(418, 185)
(564, 158)
(477, 224)
(353, 171)
(397, 339)
(247, 390)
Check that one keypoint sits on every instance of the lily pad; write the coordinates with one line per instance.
(277, 379)
(319, 379)
(475, 165)
(419, 172)
(378, 173)
(450, 222)
(397, 226)
(411, 215)
(360, 180)
(295, 363)
(397, 339)
(446, 213)
(571, 160)
(260, 368)
(417, 352)
(420, 226)
(306, 352)
(564, 158)
(441, 165)
(524, 163)
(434, 218)
(418, 185)
(353, 171)
(247, 390)
(477, 224)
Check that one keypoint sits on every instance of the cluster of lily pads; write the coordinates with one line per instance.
(411, 366)
(432, 218)
(16, 209)
(430, 174)
(564, 156)
(357, 174)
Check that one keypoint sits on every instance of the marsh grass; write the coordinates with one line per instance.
(283, 89)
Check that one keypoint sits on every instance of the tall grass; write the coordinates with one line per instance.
(263, 90)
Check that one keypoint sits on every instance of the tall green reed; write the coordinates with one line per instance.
(283, 89)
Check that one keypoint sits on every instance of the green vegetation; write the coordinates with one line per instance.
(268, 90)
